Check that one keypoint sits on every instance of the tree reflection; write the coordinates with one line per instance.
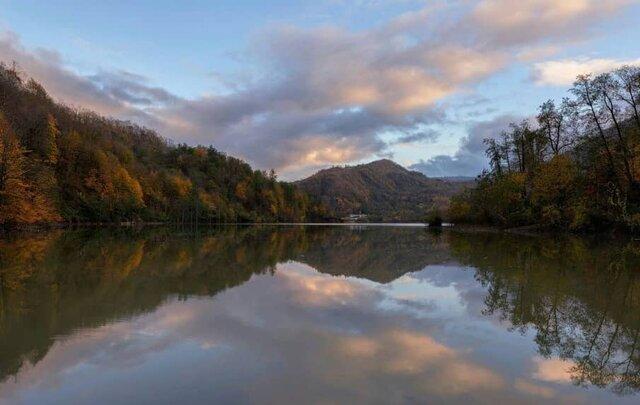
(582, 297)
(53, 284)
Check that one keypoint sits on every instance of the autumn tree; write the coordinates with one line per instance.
(629, 89)
(586, 96)
(13, 188)
(606, 89)
(20, 200)
(48, 140)
(555, 124)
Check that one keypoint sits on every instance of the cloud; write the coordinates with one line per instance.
(320, 290)
(131, 88)
(563, 72)
(469, 159)
(553, 370)
(331, 93)
(427, 135)
(530, 388)
(114, 94)
(324, 95)
(403, 352)
(537, 52)
(524, 22)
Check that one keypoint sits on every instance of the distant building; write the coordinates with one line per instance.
(355, 218)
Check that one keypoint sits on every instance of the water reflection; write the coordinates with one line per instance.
(582, 298)
(318, 314)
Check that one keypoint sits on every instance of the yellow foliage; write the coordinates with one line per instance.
(179, 186)
(459, 210)
(241, 191)
(126, 186)
(113, 183)
(200, 152)
(24, 256)
(20, 200)
(210, 201)
(553, 180)
(49, 140)
(132, 262)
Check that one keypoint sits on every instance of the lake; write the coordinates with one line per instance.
(317, 314)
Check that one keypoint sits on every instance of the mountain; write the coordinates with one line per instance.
(457, 179)
(59, 164)
(383, 190)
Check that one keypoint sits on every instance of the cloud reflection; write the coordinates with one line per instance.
(553, 370)
(298, 335)
(267, 322)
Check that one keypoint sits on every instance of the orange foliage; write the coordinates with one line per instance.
(20, 200)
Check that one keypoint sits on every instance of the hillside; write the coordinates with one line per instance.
(382, 189)
(58, 164)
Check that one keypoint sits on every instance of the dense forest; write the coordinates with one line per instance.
(58, 164)
(576, 167)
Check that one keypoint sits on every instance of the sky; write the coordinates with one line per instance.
(300, 85)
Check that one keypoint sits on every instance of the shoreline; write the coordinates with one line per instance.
(88, 225)
(531, 230)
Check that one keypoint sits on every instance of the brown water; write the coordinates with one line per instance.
(294, 314)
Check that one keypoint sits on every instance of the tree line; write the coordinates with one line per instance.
(574, 166)
(59, 164)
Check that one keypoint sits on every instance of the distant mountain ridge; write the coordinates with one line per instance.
(382, 189)
(456, 179)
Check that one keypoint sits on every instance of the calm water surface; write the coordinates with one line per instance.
(267, 314)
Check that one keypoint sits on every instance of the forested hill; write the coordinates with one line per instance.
(62, 165)
(383, 190)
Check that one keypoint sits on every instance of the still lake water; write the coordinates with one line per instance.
(317, 314)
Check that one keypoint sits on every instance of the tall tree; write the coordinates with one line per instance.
(555, 123)
(607, 88)
(48, 140)
(586, 99)
(629, 90)
(13, 188)
(494, 153)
